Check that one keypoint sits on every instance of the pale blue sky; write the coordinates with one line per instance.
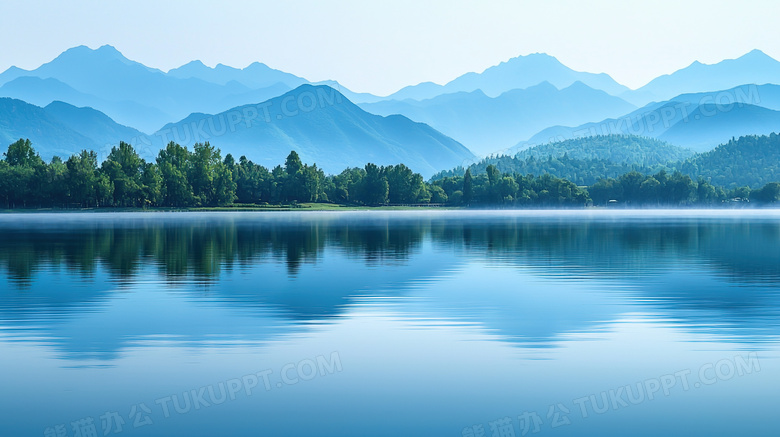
(379, 46)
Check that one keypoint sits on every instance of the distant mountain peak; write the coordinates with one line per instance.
(579, 85)
(82, 53)
(533, 57)
(754, 67)
(195, 63)
(107, 48)
(79, 48)
(756, 52)
(259, 65)
(325, 127)
(753, 55)
(14, 70)
(538, 55)
(757, 55)
(313, 87)
(543, 85)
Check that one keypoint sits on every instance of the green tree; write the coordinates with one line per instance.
(24, 176)
(375, 188)
(438, 195)
(706, 193)
(87, 186)
(174, 163)
(468, 187)
(152, 185)
(345, 186)
(124, 168)
(293, 164)
(649, 190)
(224, 187)
(22, 154)
(769, 193)
(404, 185)
(253, 182)
(55, 182)
(5, 184)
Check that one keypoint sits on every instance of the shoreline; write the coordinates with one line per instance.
(316, 207)
(319, 207)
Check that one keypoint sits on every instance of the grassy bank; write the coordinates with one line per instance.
(237, 208)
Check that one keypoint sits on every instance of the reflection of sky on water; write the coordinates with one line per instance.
(440, 322)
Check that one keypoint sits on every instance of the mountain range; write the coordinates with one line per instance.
(516, 73)
(256, 75)
(93, 98)
(487, 124)
(60, 129)
(324, 127)
(321, 124)
(755, 67)
(127, 91)
(699, 121)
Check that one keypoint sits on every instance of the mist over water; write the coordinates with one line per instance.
(415, 323)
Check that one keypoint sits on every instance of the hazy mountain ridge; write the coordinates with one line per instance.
(487, 124)
(113, 79)
(19, 119)
(317, 121)
(93, 124)
(481, 113)
(41, 92)
(254, 76)
(699, 121)
(755, 67)
(61, 129)
(324, 127)
(516, 73)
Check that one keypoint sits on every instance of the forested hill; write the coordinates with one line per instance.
(748, 161)
(579, 171)
(584, 160)
(751, 161)
(628, 149)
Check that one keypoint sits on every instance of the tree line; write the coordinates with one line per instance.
(201, 177)
(180, 177)
(752, 160)
(749, 161)
(663, 188)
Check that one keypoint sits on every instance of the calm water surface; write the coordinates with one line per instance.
(390, 324)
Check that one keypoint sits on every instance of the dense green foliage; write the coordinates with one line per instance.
(497, 188)
(200, 177)
(748, 161)
(180, 177)
(580, 171)
(584, 160)
(637, 189)
(620, 149)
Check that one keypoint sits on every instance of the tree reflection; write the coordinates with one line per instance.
(743, 251)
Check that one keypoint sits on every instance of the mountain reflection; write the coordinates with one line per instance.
(254, 276)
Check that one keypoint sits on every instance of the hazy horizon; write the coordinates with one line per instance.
(383, 46)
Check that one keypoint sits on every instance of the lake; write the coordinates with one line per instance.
(448, 323)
